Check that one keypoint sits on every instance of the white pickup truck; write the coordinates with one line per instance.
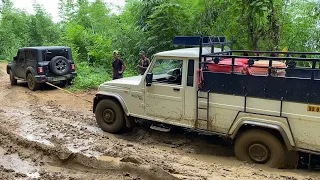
(269, 118)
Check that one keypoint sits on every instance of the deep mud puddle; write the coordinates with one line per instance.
(211, 154)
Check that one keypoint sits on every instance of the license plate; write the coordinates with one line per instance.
(313, 108)
(59, 78)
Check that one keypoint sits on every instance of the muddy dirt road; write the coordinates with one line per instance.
(51, 135)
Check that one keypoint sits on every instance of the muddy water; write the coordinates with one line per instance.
(207, 158)
(115, 160)
(233, 162)
(14, 162)
(55, 136)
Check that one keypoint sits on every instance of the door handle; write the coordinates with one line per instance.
(176, 89)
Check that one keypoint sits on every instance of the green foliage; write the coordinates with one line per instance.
(89, 76)
(93, 32)
(10, 36)
(42, 30)
(166, 21)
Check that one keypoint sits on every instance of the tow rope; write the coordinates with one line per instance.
(69, 92)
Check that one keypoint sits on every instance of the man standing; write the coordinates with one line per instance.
(144, 63)
(118, 66)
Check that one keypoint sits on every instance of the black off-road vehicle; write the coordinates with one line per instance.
(38, 65)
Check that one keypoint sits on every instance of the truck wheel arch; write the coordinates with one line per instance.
(112, 96)
(248, 124)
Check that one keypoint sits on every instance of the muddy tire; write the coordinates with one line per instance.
(110, 116)
(261, 147)
(32, 84)
(292, 160)
(13, 80)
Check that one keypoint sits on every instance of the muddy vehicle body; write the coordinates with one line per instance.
(38, 65)
(271, 117)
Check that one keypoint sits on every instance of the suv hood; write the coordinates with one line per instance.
(124, 82)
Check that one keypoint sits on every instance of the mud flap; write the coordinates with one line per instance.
(129, 121)
(95, 102)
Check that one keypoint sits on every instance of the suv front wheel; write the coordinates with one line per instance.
(32, 84)
(13, 80)
(110, 116)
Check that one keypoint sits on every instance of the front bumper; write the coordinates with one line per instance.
(44, 78)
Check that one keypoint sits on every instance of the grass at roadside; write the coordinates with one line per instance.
(90, 77)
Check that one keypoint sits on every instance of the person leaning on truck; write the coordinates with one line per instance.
(144, 63)
(118, 66)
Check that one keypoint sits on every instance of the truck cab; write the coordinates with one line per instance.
(265, 108)
(165, 93)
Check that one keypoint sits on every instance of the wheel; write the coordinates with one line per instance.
(32, 84)
(13, 80)
(59, 65)
(109, 116)
(261, 147)
(292, 160)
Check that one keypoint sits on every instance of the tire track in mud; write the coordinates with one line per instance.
(38, 113)
(111, 145)
(84, 163)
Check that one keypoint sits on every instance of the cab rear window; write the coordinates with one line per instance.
(49, 54)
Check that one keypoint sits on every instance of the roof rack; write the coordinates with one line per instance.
(202, 41)
(272, 55)
(298, 84)
(198, 40)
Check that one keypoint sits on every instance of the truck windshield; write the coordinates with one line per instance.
(167, 71)
(164, 66)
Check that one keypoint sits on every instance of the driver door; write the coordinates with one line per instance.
(164, 99)
(19, 66)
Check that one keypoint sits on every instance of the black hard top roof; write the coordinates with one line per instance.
(46, 47)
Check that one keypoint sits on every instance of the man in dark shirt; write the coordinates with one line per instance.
(144, 63)
(118, 66)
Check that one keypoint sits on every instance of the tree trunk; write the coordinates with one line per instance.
(254, 39)
(275, 27)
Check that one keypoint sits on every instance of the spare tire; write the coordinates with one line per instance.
(59, 65)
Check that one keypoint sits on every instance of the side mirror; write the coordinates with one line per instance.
(149, 78)
(15, 58)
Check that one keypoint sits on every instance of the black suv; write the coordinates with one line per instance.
(38, 65)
